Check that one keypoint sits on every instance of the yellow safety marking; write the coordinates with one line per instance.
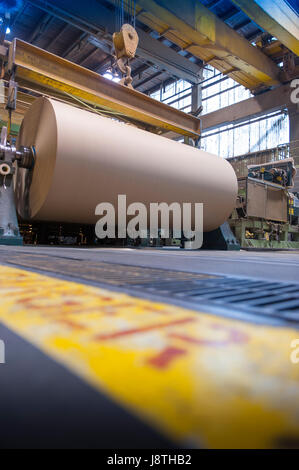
(201, 379)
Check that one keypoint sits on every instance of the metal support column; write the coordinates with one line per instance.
(294, 140)
(294, 122)
(196, 100)
(196, 103)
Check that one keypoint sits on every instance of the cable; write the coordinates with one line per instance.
(125, 12)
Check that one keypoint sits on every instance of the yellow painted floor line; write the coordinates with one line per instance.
(201, 379)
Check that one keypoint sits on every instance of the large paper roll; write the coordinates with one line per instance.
(83, 159)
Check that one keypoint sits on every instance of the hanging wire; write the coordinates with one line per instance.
(125, 12)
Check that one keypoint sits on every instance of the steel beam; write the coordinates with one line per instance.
(167, 59)
(43, 23)
(89, 56)
(148, 48)
(276, 17)
(53, 41)
(148, 79)
(42, 71)
(210, 39)
(254, 107)
(75, 45)
(273, 100)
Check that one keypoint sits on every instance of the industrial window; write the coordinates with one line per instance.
(266, 132)
(177, 95)
(218, 91)
(262, 133)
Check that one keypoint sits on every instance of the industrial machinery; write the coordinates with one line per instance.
(9, 155)
(281, 172)
(267, 211)
(56, 186)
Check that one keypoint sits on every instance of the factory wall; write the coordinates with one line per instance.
(218, 91)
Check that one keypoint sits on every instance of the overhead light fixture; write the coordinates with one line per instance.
(8, 30)
(111, 77)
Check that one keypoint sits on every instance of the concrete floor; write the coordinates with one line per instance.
(111, 367)
(280, 266)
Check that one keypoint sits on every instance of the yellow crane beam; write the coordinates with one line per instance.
(201, 32)
(47, 73)
(275, 17)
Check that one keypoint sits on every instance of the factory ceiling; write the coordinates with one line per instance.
(175, 42)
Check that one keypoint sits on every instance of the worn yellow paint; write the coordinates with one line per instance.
(276, 17)
(216, 43)
(53, 75)
(201, 379)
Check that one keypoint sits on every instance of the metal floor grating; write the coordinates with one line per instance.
(235, 296)
(280, 300)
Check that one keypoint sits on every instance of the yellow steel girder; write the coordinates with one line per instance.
(275, 17)
(46, 72)
(198, 30)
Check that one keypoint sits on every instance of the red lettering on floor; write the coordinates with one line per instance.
(165, 357)
(144, 329)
